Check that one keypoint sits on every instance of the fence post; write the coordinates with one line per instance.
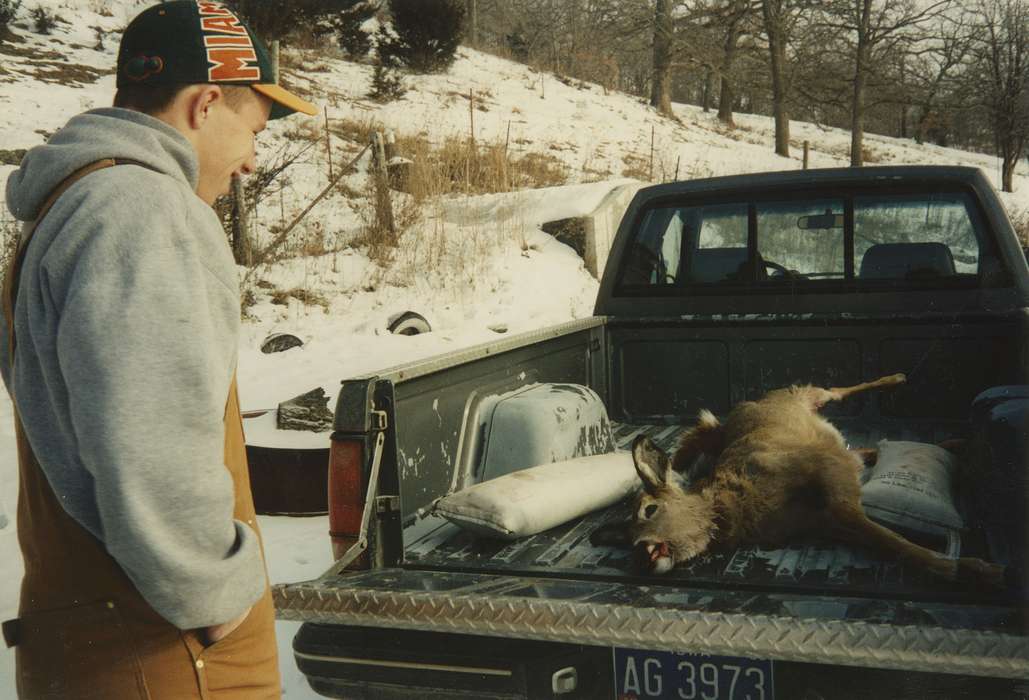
(806, 146)
(650, 177)
(384, 205)
(328, 140)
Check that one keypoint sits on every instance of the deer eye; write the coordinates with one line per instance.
(649, 511)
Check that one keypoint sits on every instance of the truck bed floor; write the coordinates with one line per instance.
(811, 564)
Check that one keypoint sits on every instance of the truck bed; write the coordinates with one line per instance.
(812, 565)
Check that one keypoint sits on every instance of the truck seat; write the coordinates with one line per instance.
(906, 261)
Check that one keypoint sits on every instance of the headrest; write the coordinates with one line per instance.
(907, 261)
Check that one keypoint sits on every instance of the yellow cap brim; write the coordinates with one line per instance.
(285, 98)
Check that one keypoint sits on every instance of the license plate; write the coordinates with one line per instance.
(665, 675)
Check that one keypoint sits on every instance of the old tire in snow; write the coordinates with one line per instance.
(280, 342)
(408, 323)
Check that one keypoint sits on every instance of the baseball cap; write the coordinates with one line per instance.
(190, 42)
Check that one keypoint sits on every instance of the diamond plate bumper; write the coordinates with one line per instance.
(607, 614)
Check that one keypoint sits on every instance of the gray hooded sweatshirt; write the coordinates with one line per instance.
(126, 322)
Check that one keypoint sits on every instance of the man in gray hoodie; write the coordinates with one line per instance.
(121, 361)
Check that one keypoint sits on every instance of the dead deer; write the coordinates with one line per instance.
(780, 470)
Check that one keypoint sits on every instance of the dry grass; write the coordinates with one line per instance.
(870, 156)
(636, 167)
(455, 166)
(459, 166)
(304, 296)
(1020, 222)
(11, 157)
(10, 231)
(425, 246)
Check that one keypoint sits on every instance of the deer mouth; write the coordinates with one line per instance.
(654, 557)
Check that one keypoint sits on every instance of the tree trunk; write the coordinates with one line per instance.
(709, 86)
(857, 111)
(660, 97)
(473, 23)
(1012, 148)
(857, 121)
(903, 106)
(1008, 173)
(727, 96)
(777, 52)
(242, 249)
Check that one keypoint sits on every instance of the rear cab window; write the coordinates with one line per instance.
(819, 242)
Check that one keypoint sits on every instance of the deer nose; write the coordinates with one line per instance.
(653, 557)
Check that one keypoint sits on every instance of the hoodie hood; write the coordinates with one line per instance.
(110, 132)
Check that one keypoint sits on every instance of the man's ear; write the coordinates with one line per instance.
(200, 99)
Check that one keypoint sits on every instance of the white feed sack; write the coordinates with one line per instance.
(532, 500)
(911, 486)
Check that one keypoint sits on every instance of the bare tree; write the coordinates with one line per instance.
(935, 74)
(1001, 70)
(873, 32)
(780, 17)
(731, 18)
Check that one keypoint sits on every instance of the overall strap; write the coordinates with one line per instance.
(10, 289)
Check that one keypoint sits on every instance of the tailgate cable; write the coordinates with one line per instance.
(359, 547)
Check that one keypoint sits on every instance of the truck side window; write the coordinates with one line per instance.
(915, 237)
(655, 254)
(689, 245)
(720, 251)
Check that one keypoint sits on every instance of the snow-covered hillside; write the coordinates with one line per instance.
(465, 279)
(472, 276)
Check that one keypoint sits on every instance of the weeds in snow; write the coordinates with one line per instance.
(304, 296)
(10, 232)
(1020, 222)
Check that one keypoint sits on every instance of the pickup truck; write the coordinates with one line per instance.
(715, 291)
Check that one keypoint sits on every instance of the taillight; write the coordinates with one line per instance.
(347, 487)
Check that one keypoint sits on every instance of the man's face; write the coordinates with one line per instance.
(225, 144)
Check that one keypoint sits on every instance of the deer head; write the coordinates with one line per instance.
(669, 526)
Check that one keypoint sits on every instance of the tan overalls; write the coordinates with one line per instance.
(84, 631)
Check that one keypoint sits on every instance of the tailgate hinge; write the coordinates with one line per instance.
(387, 504)
(379, 421)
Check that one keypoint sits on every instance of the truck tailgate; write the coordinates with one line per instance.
(948, 638)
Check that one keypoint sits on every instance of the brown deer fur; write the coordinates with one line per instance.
(780, 470)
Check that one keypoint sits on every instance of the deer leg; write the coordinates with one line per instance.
(840, 393)
(868, 456)
(706, 437)
(854, 527)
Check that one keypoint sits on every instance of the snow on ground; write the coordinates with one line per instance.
(472, 266)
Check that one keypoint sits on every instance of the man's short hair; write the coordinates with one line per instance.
(153, 99)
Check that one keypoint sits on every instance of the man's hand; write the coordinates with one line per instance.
(216, 633)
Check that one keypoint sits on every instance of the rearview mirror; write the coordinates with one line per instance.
(820, 221)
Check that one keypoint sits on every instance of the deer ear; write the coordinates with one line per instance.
(651, 463)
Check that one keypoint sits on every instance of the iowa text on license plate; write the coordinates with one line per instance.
(666, 675)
